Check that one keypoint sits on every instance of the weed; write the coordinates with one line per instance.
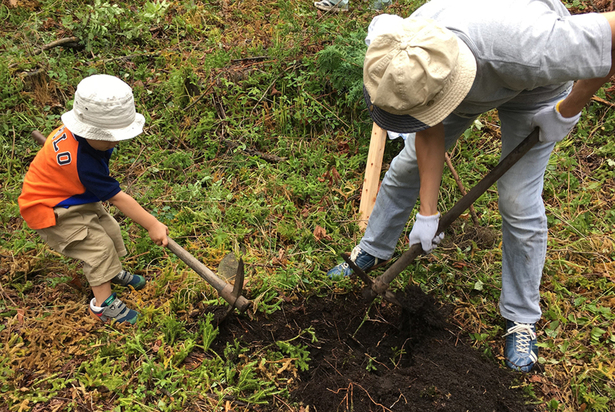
(299, 353)
(370, 367)
(172, 329)
(207, 331)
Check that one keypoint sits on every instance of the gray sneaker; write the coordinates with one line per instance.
(126, 279)
(113, 309)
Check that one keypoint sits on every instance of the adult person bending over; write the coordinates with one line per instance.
(432, 74)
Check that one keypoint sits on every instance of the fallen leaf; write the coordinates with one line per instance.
(320, 233)
(335, 176)
(20, 315)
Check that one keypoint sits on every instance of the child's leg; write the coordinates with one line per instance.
(79, 234)
(101, 293)
(112, 228)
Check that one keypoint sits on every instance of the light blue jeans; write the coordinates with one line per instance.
(524, 222)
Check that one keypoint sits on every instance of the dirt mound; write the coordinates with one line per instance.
(383, 358)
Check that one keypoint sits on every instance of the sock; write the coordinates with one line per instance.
(107, 302)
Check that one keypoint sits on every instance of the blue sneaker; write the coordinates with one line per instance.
(113, 309)
(361, 258)
(520, 351)
(128, 279)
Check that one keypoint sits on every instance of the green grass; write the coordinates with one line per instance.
(219, 84)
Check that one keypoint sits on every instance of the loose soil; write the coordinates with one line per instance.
(380, 357)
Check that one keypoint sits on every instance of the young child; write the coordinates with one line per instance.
(69, 178)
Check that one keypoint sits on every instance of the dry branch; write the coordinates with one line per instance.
(601, 100)
(265, 156)
(253, 59)
(72, 42)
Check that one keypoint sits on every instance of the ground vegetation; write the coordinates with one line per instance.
(256, 137)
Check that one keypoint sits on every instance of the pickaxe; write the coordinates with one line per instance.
(380, 285)
(232, 294)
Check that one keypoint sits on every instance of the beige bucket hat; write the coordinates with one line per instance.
(104, 109)
(415, 74)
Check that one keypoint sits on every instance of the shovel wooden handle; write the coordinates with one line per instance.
(381, 283)
(372, 174)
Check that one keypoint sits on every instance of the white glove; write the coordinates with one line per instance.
(424, 232)
(553, 126)
(395, 135)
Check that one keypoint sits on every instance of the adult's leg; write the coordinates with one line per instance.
(398, 193)
(524, 222)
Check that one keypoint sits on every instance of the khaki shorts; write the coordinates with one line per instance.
(90, 234)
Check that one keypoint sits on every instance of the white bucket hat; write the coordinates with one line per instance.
(104, 109)
(415, 74)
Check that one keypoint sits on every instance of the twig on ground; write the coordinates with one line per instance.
(602, 101)
(71, 42)
(292, 66)
(384, 408)
(222, 116)
(221, 113)
(265, 156)
(199, 97)
(329, 110)
(255, 58)
(401, 395)
(125, 58)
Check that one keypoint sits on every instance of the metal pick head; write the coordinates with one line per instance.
(368, 292)
(229, 265)
(237, 287)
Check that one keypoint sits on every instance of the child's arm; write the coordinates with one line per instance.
(131, 208)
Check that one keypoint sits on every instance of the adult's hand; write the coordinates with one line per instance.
(553, 126)
(424, 232)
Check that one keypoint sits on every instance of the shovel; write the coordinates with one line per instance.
(232, 294)
(379, 286)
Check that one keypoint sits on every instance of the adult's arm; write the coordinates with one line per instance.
(583, 90)
(130, 207)
(429, 145)
(430, 150)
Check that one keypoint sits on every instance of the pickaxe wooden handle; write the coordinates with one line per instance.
(39, 137)
(372, 174)
(381, 283)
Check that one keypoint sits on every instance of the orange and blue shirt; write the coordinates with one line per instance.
(67, 171)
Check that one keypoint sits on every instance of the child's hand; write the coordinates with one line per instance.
(131, 208)
(158, 233)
